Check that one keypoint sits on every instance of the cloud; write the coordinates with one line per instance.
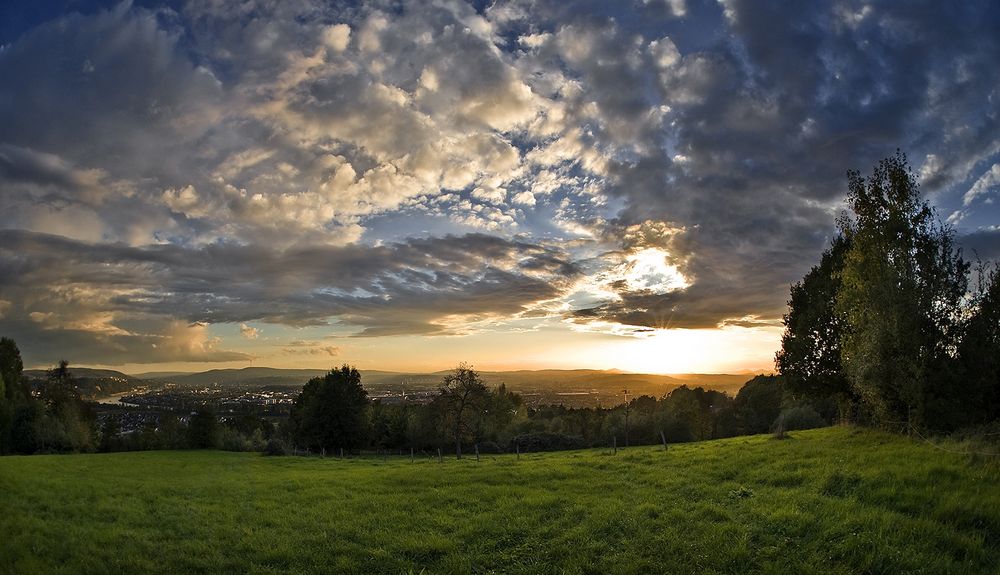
(132, 295)
(337, 37)
(248, 332)
(310, 348)
(986, 184)
(427, 168)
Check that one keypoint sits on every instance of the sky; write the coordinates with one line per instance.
(409, 185)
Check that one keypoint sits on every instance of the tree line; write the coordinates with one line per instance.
(333, 414)
(893, 324)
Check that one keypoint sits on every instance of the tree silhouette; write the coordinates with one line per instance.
(809, 358)
(464, 396)
(331, 412)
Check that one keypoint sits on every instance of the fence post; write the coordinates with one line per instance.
(477, 453)
(664, 438)
(614, 445)
(341, 452)
(411, 455)
(518, 447)
(440, 459)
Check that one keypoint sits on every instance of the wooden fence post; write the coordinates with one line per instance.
(664, 438)
(477, 453)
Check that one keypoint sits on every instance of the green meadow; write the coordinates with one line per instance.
(836, 500)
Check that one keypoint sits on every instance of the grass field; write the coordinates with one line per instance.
(837, 500)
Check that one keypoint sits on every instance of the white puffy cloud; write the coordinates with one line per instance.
(337, 37)
(249, 332)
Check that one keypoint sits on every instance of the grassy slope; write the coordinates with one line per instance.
(827, 501)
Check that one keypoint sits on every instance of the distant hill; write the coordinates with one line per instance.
(567, 379)
(83, 373)
(161, 374)
(94, 383)
(571, 387)
(263, 376)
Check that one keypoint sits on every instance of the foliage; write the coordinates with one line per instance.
(902, 282)
(203, 429)
(979, 352)
(276, 446)
(810, 357)
(11, 366)
(545, 441)
(798, 417)
(903, 343)
(758, 403)
(10, 390)
(462, 402)
(330, 412)
(818, 506)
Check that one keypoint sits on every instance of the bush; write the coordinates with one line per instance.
(490, 447)
(276, 446)
(799, 417)
(547, 441)
(232, 440)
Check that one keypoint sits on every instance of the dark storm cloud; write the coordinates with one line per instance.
(58, 288)
(764, 124)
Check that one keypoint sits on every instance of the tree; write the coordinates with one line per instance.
(58, 390)
(67, 423)
(809, 358)
(331, 412)
(11, 367)
(979, 353)
(758, 403)
(464, 397)
(901, 286)
(6, 417)
(203, 429)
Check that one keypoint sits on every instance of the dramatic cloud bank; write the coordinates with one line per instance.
(448, 168)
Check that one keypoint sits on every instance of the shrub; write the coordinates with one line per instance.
(276, 446)
(490, 447)
(547, 441)
(233, 440)
(799, 417)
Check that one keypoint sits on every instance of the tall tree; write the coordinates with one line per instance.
(203, 429)
(331, 412)
(11, 366)
(67, 425)
(6, 417)
(979, 352)
(464, 396)
(809, 358)
(11, 393)
(901, 286)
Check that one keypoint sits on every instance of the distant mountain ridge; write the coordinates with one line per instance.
(515, 380)
(83, 373)
(93, 383)
(602, 387)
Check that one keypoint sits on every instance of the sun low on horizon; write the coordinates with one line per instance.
(407, 186)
